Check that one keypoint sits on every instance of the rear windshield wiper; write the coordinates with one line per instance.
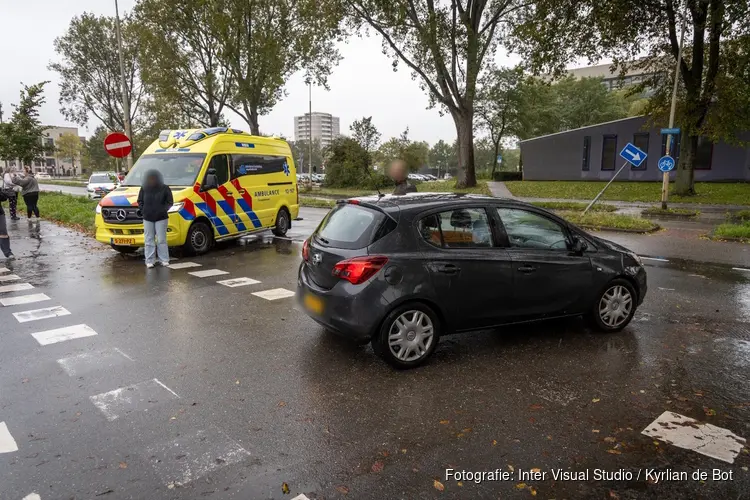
(320, 238)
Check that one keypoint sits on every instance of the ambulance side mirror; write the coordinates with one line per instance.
(210, 182)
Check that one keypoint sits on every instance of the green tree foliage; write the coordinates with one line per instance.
(180, 57)
(93, 156)
(90, 73)
(498, 106)
(447, 45)
(264, 43)
(347, 164)
(441, 156)
(714, 72)
(366, 134)
(26, 130)
(69, 147)
(413, 153)
(301, 155)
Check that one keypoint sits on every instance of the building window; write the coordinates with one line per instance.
(704, 154)
(640, 140)
(609, 152)
(586, 153)
(50, 162)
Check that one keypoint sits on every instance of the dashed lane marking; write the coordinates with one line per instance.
(208, 273)
(7, 443)
(687, 433)
(137, 397)
(35, 314)
(741, 269)
(9, 277)
(235, 282)
(657, 259)
(87, 362)
(17, 287)
(301, 496)
(62, 334)
(183, 265)
(24, 299)
(32, 496)
(274, 294)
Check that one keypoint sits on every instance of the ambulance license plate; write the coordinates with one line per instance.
(122, 241)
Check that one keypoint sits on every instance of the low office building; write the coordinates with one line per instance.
(593, 153)
(54, 163)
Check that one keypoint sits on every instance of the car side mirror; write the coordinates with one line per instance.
(579, 246)
(211, 181)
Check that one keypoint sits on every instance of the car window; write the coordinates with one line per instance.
(460, 228)
(349, 226)
(529, 230)
(258, 164)
(221, 165)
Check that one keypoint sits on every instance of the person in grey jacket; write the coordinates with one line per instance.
(30, 191)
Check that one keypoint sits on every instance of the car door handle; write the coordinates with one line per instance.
(526, 269)
(447, 268)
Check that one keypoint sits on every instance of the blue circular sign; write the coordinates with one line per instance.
(666, 163)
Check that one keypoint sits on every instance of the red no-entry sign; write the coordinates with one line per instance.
(117, 144)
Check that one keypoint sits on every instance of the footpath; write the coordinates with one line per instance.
(678, 238)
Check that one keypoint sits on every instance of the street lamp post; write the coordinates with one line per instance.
(309, 137)
(123, 86)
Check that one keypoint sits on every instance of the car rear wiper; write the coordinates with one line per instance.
(320, 238)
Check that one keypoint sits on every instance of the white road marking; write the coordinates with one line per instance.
(208, 273)
(192, 456)
(35, 314)
(301, 496)
(654, 258)
(4, 270)
(667, 289)
(18, 287)
(62, 334)
(274, 294)
(32, 496)
(687, 433)
(9, 277)
(7, 443)
(24, 299)
(741, 269)
(136, 397)
(118, 145)
(235, 282)
(92, 361)
(697, 276)
(183, 265)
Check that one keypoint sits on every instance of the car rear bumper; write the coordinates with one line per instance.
(352, 311)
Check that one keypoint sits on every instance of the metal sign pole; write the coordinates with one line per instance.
(670, 140)
(605, 187)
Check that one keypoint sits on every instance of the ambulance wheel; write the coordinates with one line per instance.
(124, 249)
(199, 238)
(282, 223)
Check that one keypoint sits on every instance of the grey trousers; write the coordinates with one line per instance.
(4, 239)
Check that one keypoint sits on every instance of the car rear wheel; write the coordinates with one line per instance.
(614, 307)
(124, 249)
(199, 238)
(408, 336)
(282, 223)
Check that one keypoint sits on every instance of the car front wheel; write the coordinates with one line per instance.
(615, 306)
(408, 336)
(282, 223)
(199, 238)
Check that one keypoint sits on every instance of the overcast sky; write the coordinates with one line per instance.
(363, 84)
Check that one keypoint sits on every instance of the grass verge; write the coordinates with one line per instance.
(731, 230)
(609, 221)
(670, 212)
(62, 183)
(76, 212)
(708, 192)
(423, 187)
(573, 206)
(307, 201)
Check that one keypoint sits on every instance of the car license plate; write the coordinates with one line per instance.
(313, 304)
(123, 241)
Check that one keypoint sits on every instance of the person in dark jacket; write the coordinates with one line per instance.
(398, 173)
(154, 202)
(30, 191)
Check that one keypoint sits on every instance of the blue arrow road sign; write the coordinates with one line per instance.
(670, 131)
(633, 155)
(666, 163)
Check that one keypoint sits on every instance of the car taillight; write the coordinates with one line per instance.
(306, 250)
(359, 269)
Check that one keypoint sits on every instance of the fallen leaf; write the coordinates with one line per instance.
(614, 452)
(536, 407)
(521, 486)
(281, 403)
(460, 434)
(745, 469)
(170, 486)
(511, 468)
(532, 490)
(78, 414)
(445, 422)
(613, 495)
(709, 412)
(468, 429)
(438, 485)
(285, 488)
(549, 438)
(173, 418)
(595, 400)
(238, 383)
(342, 489)
(536, 469)
(123, 465)
(494, 442)
(532, 420)
(403, 450)
(656, 443)
(595, 431)
(460, 483)
(610, 439)
(384, 453)
(377, 466)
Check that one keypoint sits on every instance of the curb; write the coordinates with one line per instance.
(620, 230)
(670, 216)
(729, 238)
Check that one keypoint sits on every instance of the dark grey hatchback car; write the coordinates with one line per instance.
(400, 271)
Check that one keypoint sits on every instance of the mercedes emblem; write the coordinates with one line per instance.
(121, 215)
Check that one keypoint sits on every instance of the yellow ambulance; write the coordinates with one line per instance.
(225, 183)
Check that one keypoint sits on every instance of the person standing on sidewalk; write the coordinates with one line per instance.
(30, 191)
(4, 238)
(398, 173)
(154, 202)
(13, 200)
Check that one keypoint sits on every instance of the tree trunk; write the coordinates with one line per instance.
(465, 131)
(494, 162)
(685, 181)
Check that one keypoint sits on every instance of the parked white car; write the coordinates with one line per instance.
(100, 183)
(43, 176)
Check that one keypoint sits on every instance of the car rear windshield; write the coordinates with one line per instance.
(100, 179)
(178, 169)
(349, 226)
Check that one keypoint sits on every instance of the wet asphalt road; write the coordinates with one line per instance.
(228, 395)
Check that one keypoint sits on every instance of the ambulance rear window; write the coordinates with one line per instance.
(178, 169)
